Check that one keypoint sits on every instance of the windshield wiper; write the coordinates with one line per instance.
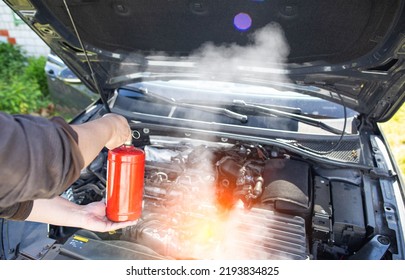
(240, 109)
(273, 110)
(212, 109)
(259, 109)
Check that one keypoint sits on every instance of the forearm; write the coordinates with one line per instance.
(56, 211)
(92, 137)
(59, 211)
(109, 131)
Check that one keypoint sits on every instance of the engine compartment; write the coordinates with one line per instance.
(206, 200)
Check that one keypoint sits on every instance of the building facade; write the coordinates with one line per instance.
(15, 31)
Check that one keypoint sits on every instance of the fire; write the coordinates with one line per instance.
(208, 234)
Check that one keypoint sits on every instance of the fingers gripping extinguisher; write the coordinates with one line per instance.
(125, 178)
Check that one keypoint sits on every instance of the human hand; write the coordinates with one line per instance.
(94, 218)
(60, 211)
(121, 131)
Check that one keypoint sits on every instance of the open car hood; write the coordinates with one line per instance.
(355, 48)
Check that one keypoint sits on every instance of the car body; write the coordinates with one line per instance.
(259, 121)
(66, 90)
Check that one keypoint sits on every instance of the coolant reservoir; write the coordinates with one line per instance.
(125, 178)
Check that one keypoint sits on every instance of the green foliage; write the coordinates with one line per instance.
(35, 70)
(12, 61)
(20, 96)
(23, 85)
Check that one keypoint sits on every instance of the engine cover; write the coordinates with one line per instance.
(254, 234)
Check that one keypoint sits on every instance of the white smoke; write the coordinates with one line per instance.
(266, 53)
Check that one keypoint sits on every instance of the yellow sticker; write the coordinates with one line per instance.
(81, 238)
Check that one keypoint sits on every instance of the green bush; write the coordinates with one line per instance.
(12, 61)
(23, 85)
(20, 96)
(35, 70)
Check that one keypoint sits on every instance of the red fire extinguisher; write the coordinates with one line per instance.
(125, 178)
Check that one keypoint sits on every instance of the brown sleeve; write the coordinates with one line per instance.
(18, 211)
(77, 161)
(39, 158)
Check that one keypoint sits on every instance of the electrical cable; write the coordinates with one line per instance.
(340, 138)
